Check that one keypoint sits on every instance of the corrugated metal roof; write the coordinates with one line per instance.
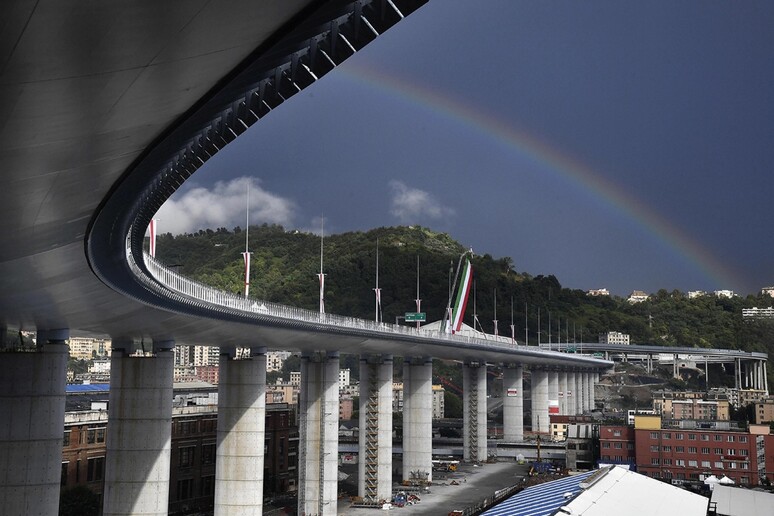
(77, 388)
(541, 500)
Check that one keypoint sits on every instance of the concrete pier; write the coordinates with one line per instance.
(375, 439)
(540, 401)
(563, 392)
(318, 434)
(513, 403)
(241, 433)
(32, 404)
(474, 412)
(418, 418)
(140, 431)
(553, 392)
(571, 394)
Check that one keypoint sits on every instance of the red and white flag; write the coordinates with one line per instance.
(152, 231)
(321, 276)
(246, 256)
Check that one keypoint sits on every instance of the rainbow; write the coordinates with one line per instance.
(561, 164)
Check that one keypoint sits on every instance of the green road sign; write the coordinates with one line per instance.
(416, 317)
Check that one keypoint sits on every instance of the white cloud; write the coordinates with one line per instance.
(224, 206)
(409, 205)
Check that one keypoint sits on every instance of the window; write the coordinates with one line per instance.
(718, 465)
(654, 448)
(629, 446)
(209, 425)
(91, 436)
(208, 453)
(705, 450)
(730, 438)
(186, 456)
(718, 437)
(654, 435)
(732, 465)
(667, 448)
(705, 464)
(101, 434)
(679, 436)
(185, 489)
(742, 438)
(744, 480)
(705, 437)
(187, 427)
(679, 462)
(619, 446)
(606, 445)
(667, 462)
(718, 451)
(654, 461)
(680, 449)
(692, 449)
(692, 464)
(95, 469)
(208, 485)
(743, 452)
(63, 480)
(691, 437)
(731, 452)
(616, 433)
(667, 435)
(66, 439)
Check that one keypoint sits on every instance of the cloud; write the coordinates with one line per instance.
(410, 205)
(224, 206)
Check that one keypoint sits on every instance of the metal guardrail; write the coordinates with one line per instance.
(180, 288)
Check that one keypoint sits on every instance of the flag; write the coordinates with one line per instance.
(321, 276)
(246, 256)
(152, 231)
(462, 296)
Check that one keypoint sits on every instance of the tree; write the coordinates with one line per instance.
(78, 501)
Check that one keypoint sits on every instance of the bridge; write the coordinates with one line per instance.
(750, 367)
(108, 109)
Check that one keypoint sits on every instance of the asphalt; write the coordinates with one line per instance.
(474, 483)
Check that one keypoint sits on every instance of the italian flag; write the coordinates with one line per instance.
(462, 296)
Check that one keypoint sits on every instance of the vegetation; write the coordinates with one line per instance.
(285, 265)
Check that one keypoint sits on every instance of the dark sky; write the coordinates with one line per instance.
(626, 145)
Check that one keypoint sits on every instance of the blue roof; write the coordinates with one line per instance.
(77, 388)
(540, 500)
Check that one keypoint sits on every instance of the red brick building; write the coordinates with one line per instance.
(616, 445)
(691, 455)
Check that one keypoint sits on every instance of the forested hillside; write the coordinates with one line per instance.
(285, 265)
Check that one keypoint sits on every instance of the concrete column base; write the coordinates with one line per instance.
(32, 404)
(139, 433)
(513, 403)
(540, 401)
(375, 438)
(418, 420)
(241, 435)
(319, 435)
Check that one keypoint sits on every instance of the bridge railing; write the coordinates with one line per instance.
(201, 294)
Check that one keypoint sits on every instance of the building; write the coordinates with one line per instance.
(207, 373)
(343, 378)
(696, 293)
(582, 446)
(598, 292)
(690, 456)
(764, 411)
(724, 293)
(712, 406)
(86, 348)
(637, 296)
(767, 291)
(758, 313)
(206, 355)
(439, 395)
(192, 454)
(184, 355)
(275, 360)
(295, 378)
(346, 406)
(616, 445)
(614, 337)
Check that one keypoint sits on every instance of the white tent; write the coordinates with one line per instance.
(726, 481)
(711, 481)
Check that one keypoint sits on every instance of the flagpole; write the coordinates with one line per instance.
(246, 254)
(321, 276)
(526, 324)
(513, 327)
(419, 301)
(495, 313)
(377, 290)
